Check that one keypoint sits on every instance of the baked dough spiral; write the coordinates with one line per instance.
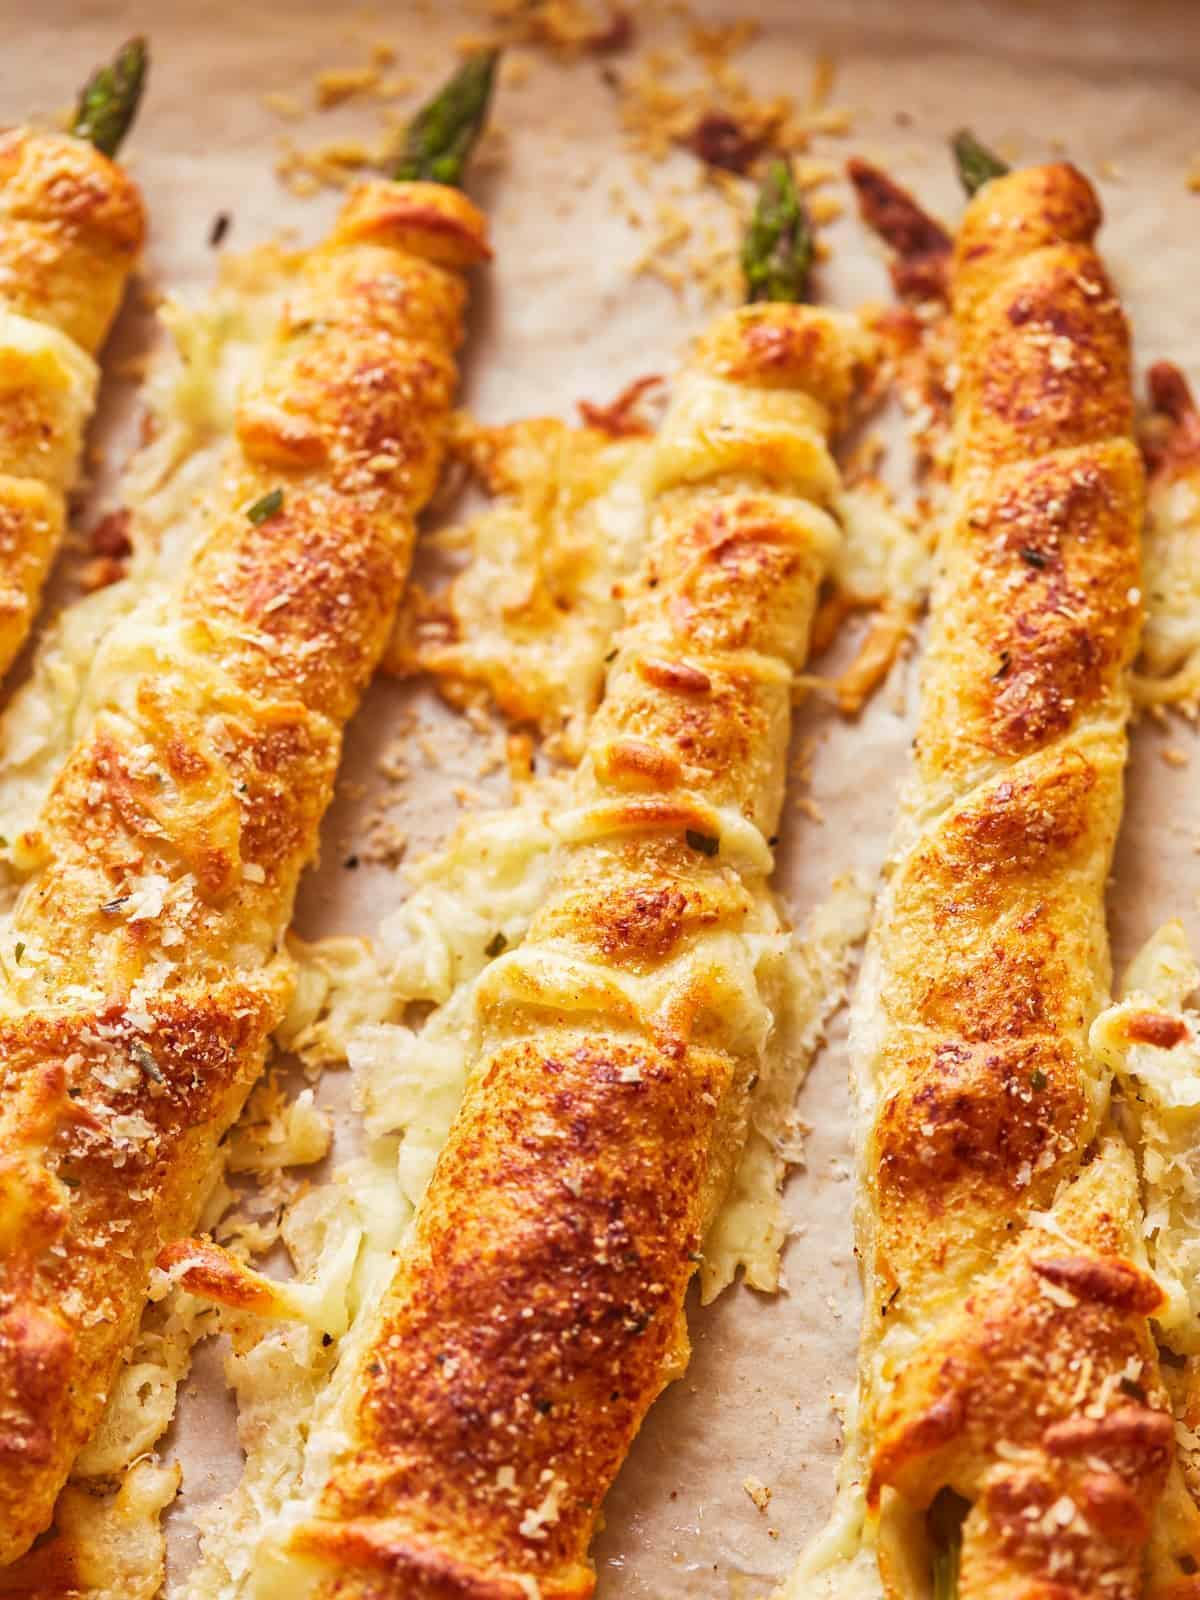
(146, 971)
(1006, 1353)
(71, 228)
(537, 1309)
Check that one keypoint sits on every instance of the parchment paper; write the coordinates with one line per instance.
(1118, 88)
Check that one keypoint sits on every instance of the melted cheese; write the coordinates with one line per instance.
(803, 979)
(1161, 1109)
(881, 557)
(1168, 670)
(840, 1563)
(530, 616)
(117, 1549)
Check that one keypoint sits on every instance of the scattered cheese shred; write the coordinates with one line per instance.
(528, 618)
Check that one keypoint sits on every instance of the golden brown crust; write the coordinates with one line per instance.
(539, 1309)
(71, 228)
(427, 220)
(1048, 364)
(992, 1356)
(1012, 220)
(552, 1199)
(1063, 1469)
(32, 518)
(147, 977)
(1038, 607)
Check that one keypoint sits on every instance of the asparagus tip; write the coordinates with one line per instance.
(777, 252)
(975, 162)
(109, 100)
(442, 135)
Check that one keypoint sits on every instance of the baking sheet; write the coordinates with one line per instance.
(560, 317)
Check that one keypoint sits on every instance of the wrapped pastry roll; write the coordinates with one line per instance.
(1011, 1436)
(144, 968)
(71, 228)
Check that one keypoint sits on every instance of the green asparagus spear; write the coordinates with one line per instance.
(777, 253)
(109, 100)
(976, 163)
(945, 1571)
(945, 1523)
(442, 135)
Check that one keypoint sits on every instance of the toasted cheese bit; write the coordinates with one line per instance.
(759, 1493)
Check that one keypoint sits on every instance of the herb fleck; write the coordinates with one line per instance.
(266, 507)
(707, 843)
(220, 227)
(1005, 663)
(1038, 1079)
(495, 945)
(1033, 558)
(611, 656)
(19, 951)
(111, 907)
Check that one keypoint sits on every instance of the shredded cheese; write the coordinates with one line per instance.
(1159, 1069)
(529, 617)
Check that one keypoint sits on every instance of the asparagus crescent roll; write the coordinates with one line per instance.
(71, 227)
(142, 969)
(1009, 1405)
(537, 1308)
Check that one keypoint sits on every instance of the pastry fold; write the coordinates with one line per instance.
(537, 1308)
(145, 968)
